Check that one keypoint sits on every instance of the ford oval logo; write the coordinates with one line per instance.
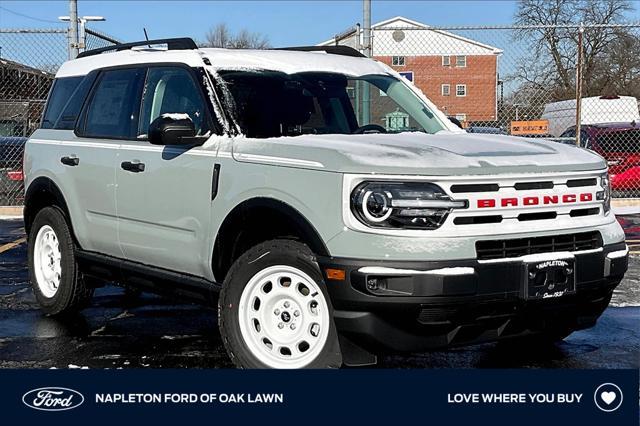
(52, 399)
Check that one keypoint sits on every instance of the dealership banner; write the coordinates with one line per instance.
(390, 397)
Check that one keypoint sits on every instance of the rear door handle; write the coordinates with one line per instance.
(71, 160)
(132, 166)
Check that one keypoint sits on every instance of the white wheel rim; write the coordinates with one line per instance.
(284, 317)
(47, 261)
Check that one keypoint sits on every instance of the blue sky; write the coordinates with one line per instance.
(284, 22)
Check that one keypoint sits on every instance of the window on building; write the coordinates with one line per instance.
(397, 61)
(446, 61)
(446, 90)
(461, 117)
(461, 90)
(461, 61)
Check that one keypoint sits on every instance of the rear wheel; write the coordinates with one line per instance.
(53, 270)
(274, 311)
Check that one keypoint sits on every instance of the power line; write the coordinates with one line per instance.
(29, 17)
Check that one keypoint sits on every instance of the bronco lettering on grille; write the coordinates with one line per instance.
(544, 200)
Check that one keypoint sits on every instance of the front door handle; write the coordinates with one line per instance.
(71, 160)
(132, 166)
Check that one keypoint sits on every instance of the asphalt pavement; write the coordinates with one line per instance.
(122, 329)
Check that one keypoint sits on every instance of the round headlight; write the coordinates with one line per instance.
(376, 206)
(402, 205)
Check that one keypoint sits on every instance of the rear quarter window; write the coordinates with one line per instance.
(60, 94)
(70, 112)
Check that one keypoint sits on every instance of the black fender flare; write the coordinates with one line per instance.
(299, 223)
(43, 192)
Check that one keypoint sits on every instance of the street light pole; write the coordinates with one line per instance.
(81, 35)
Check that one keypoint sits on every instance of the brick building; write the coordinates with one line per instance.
(458, 74)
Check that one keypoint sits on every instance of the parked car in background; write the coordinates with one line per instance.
(596, 109)
(549, 137)
(619, 144)
(538, 136)
(455, 121)
(11, 178)
(486, 130)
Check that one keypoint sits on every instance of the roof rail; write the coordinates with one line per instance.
(333, 50)
(183, 43)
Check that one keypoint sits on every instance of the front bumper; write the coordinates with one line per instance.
(412, 306)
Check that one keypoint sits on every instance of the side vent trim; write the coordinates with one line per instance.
(214, 181)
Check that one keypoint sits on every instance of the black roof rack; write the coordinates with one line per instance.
(334, 50)
(183, 43)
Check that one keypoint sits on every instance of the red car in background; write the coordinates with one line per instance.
(619, 144)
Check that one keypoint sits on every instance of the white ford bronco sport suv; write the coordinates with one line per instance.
(321, 199)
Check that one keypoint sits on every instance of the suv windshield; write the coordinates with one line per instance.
(274, 104)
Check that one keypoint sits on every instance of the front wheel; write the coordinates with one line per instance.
(274, 311)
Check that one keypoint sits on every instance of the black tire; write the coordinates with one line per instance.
(72, 294)
(264, 255)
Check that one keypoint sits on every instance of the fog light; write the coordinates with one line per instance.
(372, 284)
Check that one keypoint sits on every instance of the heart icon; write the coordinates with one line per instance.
(608, 397)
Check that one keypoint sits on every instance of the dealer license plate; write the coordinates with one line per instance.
(549, 277)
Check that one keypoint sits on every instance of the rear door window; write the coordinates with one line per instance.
(61, 91)
(112, 112)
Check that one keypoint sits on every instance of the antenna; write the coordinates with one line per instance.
(146, 37)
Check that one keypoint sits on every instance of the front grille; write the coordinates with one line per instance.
(477, 220)
(501, 249)
(431, 315)
(481, 187)
(524, 186)
(575, 183)
(523, 217)
(584, 212)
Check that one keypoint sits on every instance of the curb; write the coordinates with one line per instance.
(11, 212)
(628, 202)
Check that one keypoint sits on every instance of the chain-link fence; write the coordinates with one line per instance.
(508, 80)
(522, 81)
(96, 40)
(29, 59)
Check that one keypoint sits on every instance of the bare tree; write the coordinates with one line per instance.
(221, 36)
(553, 38)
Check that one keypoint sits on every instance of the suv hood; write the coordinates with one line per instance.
(414, 153)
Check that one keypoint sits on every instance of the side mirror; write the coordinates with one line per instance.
(172, 129)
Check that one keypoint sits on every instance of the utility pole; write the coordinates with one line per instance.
(367, 50)
(74, 42)
(579, 85)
